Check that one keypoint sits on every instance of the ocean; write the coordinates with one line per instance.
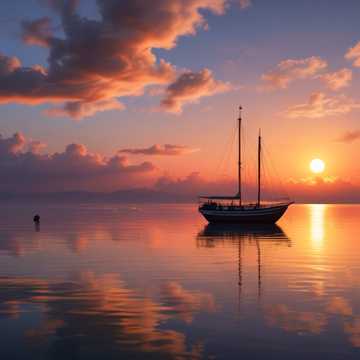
(149, 281)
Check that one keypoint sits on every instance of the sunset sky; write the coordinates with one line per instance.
(116, 94)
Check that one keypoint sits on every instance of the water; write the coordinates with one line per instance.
(152, 281)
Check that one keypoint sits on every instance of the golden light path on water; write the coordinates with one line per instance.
(317, 227)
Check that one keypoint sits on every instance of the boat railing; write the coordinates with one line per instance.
(228, 203)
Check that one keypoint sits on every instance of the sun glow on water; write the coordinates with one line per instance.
(317, 226)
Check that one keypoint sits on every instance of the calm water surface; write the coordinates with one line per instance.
(153, 281)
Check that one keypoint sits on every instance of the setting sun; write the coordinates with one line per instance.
(317, 166)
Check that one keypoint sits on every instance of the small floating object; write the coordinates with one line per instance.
(37, 219)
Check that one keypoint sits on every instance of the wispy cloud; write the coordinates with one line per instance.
(320, 105)
(290, 70)
(245, 3)
(349, 136)
(160, 150)
(353, 54)
(338, 79)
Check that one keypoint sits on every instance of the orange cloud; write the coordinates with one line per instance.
(290, 70)
(190, 87)
(338, 79)
(321, 105)
(353, 54)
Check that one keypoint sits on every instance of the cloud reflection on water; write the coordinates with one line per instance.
(91, 314)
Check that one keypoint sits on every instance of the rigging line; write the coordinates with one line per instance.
(282, 187)
(229, 145)
(269, 182)
(268, 178)
(273, 186)
(244, 163)
(251, 171)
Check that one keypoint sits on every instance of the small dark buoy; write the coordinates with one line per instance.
(37, 219)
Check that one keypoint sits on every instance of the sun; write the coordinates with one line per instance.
(317, 166)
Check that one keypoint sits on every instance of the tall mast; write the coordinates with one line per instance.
(239, 162)
(259, 169)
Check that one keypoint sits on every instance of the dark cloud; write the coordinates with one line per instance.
(167, 149)
(97, 61)
(74, 169)
(80, 109)
(191, 86)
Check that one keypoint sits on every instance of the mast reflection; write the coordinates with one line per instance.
(239, 236)
(213, 234)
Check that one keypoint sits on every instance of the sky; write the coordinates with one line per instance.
(106, 95)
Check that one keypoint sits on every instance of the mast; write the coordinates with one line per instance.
(259, 169)
(239, 162)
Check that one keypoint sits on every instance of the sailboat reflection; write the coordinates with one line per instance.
(214, 235)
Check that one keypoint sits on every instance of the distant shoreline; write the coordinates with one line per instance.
(137, 196)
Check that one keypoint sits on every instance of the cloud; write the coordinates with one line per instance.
(323, 190)
(290, 70)
(8, 65)
(36, 146)
(37, 32)
(99, 60)
(82, 109)
(73, 169)
(338, 79)
(245, 3)
(321, 105)
(353, 54)
(190, 87)
(349, 136)
(306, 190)
(167, 150)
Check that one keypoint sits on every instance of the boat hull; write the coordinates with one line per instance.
(262, 215)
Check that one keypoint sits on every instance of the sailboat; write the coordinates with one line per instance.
(232, 209)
